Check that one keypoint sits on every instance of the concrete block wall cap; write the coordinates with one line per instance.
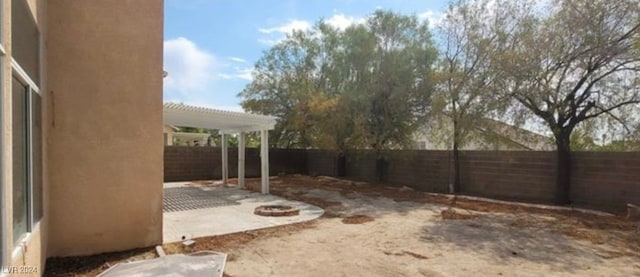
(633, 212)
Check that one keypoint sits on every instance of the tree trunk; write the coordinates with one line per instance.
(341, 165)
(381, 169)
(563, 174)
(456, 168)
(456, 159)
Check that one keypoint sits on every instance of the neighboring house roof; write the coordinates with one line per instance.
(487, 134)
(224, 121)
(521, 137)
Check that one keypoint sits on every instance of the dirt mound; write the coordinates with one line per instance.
(357, 219)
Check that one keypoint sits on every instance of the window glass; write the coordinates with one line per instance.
(25, 38)
(36, 154)
(19, 137)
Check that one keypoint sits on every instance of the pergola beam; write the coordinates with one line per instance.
(227, 122)
(256, 128)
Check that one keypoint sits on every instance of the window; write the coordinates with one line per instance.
(27, 156)
(3, 226)
(26, 121)
(25, 39)
(19, 139)
(36, 155)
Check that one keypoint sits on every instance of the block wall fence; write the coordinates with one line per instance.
(602, 180)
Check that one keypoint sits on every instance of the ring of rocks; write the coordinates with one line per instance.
(276, 210)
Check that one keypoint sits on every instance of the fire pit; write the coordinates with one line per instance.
(276, 210)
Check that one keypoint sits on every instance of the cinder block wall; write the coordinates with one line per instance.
(321, 162)
(185, 163)
(606, 179)
(513, 175)
(601, 180)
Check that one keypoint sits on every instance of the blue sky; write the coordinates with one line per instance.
(210, 46)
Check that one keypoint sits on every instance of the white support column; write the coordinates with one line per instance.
(241, 145)
(264, 160)
(225, 158)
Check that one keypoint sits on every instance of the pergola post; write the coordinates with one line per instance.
(264, 160)
(225, 159)
(241, 146)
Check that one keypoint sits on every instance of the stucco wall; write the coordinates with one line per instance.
(105, 128)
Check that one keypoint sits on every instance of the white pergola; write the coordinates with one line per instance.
(227, 122)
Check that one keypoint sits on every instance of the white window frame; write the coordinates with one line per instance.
(20, 74)
(24, 78)
(3, 218)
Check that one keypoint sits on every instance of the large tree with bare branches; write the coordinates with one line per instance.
(465, 73)
(569, 62)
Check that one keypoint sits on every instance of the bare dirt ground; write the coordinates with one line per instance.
(382, 231)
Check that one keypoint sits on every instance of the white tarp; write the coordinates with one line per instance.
(203, 264)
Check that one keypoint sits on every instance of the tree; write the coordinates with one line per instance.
(365, 86)
(575, 63)
(389, 61)
(465, 73)
(282, 85)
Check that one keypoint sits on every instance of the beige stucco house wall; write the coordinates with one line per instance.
(100, 71)
(105, 75)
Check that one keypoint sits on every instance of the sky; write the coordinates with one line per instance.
(210, 46)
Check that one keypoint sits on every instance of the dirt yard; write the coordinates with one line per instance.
(382, 231)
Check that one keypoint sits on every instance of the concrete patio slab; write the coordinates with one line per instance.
(200, 211)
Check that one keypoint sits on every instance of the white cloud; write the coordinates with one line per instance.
(269, 42)
(287, 28)
(433, 17)
(238, 60)
(244, 73)
(273, 35)
(341, 21)
(189, 67)
(197, 77)
(238, 73)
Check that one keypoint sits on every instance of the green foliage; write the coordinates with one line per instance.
(574, 63)
(465, 91)
(366, 86)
